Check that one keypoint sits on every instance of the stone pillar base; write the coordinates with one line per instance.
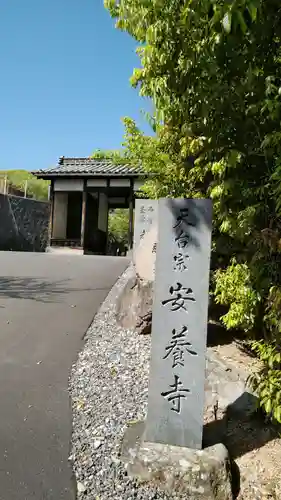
(182, 472)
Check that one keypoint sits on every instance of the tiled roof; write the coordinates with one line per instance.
(88, 167)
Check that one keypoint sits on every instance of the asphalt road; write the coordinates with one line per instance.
(47, 302)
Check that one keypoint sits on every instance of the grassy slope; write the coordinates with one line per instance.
(37, 188)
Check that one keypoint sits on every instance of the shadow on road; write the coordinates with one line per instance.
(38, 289)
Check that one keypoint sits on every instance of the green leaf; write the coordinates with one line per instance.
(268, 406)
(241, 21)
(277, 414)
(252, 11)
(226, 22)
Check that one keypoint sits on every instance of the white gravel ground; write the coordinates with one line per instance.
(108, 386)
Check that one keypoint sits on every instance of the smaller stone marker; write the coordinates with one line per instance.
(146, 213)
(179, 326)
(145, 255)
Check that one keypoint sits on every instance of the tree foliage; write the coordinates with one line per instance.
(114, 155)
(213, 71)
(36, 188)
(118, 226)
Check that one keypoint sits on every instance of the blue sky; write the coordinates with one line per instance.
(64, 81)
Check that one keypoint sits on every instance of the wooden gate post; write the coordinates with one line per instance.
(83, 216)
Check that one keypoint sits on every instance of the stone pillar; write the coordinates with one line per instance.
(180, 315)
(146, 218)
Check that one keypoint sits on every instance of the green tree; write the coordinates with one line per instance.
(213, 71)
(36, 188)
(118, 226)
(114, 155)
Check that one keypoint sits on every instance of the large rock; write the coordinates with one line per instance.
(134, 306)
(183, 472)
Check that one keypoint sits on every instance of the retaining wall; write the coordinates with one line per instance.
(23, 224)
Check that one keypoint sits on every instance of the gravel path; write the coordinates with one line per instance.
(109, 390)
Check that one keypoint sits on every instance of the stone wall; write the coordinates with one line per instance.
(23, 224)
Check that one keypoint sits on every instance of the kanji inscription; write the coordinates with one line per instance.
(178, 346)
(180, 261)
(175, 395)
(145, 217)
(179, 297)
(182, 239)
